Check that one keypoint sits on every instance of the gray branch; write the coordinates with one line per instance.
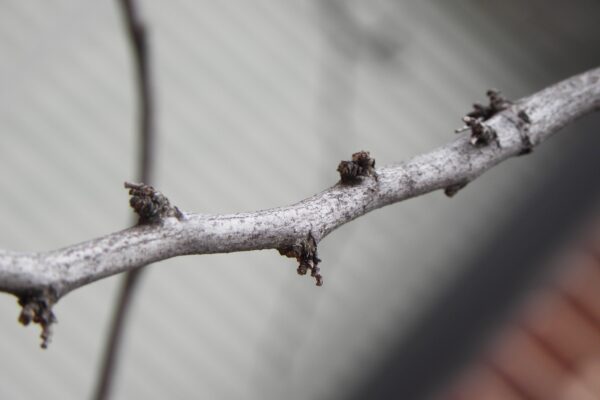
(522, 125)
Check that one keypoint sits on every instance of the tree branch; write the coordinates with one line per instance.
(295, 230)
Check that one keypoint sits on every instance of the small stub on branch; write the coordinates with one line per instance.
(361, 166)
(305, 252)
(150, 204)
(481, 134)
(451, 190)
(37, 308)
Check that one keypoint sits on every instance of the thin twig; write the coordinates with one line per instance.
(297, 229)
(136, 33)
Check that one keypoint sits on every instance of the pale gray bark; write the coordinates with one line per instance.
(526, 123)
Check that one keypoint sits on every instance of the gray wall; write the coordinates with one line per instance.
(257, 103)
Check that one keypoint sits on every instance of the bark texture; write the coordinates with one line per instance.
(512, 131)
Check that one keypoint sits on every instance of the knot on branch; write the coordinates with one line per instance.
(361, 165)
(305, 252)
(523, 124)
(37, 307)
(481, 134)
(150, 204)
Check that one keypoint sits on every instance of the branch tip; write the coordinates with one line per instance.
(150, 204)
(361, 165)
(37, 307)
(305, 252)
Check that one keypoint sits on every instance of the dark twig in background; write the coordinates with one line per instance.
(136, 33)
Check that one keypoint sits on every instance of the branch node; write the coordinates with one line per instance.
(361, 166)
(150, 204)
(523, 124)
(481, 134)
(37, 307)
(305, 252)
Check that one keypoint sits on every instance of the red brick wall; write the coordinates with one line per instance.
(551, 350)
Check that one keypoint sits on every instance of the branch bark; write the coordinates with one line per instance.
(522, 125)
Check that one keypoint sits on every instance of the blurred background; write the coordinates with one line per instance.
(257, 102)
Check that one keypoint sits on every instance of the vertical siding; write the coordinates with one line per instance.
(257, 102)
